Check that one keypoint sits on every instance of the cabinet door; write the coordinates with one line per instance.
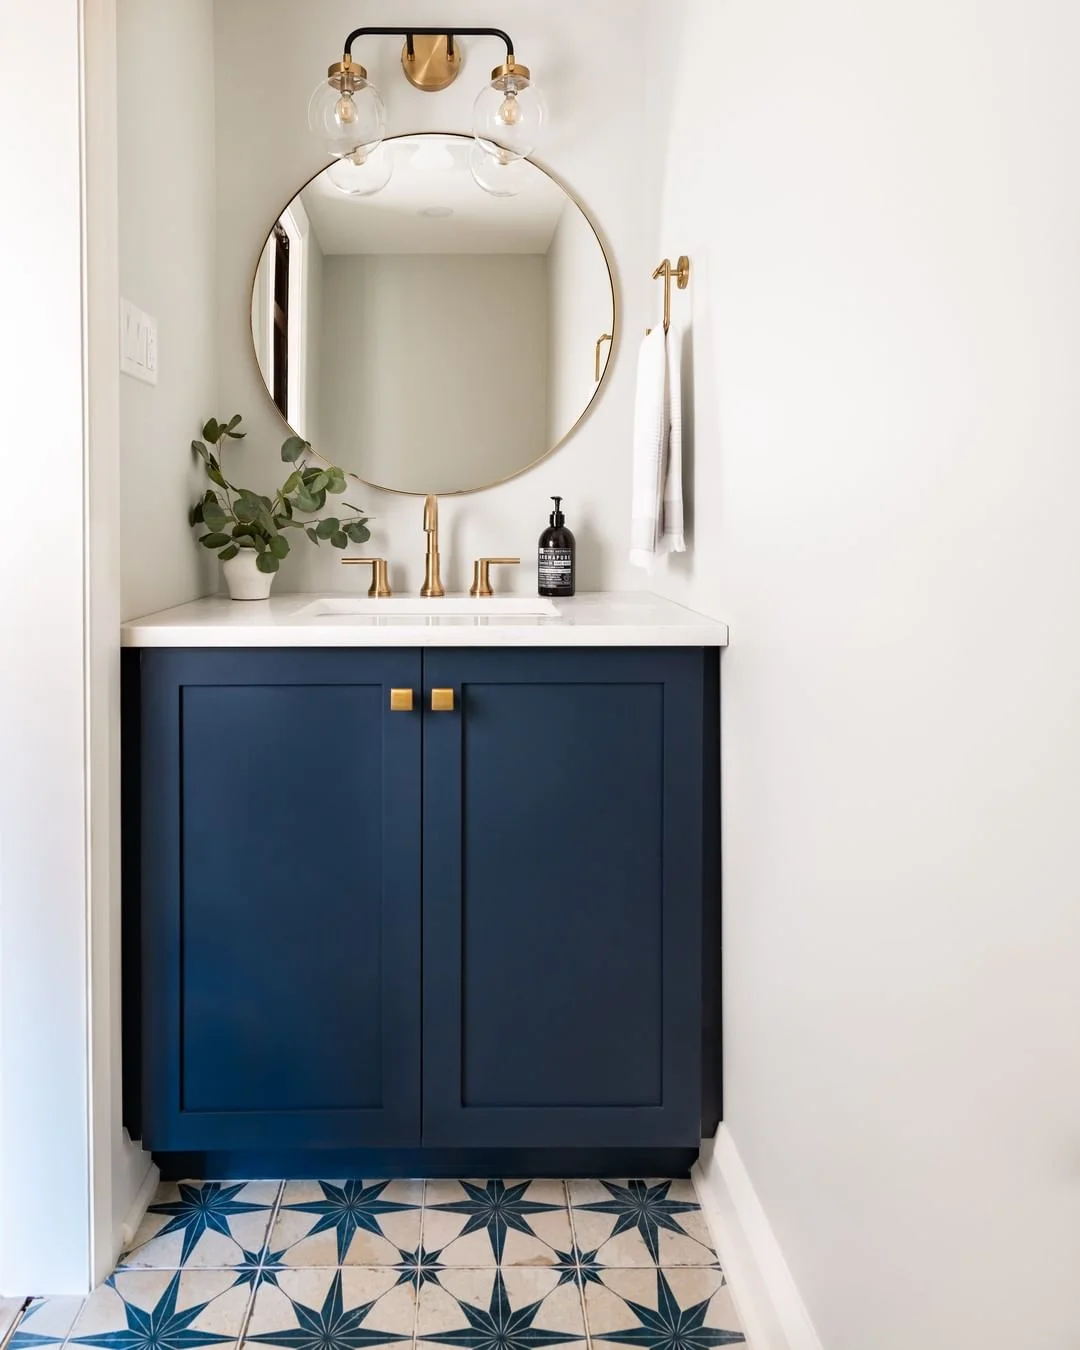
(563, 898)
(280, 899)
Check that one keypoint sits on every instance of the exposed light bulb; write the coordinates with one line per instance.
(509, 113)
(345, 113)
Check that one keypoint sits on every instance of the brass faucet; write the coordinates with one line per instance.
(432, 581)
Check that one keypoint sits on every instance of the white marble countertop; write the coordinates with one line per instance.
(592, 619)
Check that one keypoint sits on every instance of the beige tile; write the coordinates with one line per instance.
(347, 1212)
(212, 1223)
(495, 1296)
(207, 1301)
(664, 1220)
(338, 1303)
(682, 1299)
(51, 1318)
(511, 1231)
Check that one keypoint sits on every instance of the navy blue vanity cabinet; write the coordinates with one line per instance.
(280, 900)
(477, 937)
(563, 898)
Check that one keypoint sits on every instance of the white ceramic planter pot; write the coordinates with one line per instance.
(243, 578)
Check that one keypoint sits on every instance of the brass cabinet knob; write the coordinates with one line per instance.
(442, 700)
(380, 576)
(401, 700)
(481, 577)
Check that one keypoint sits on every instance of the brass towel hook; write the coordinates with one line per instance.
(680, 274)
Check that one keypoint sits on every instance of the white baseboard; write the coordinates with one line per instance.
(139, 1205)
(773, 1314)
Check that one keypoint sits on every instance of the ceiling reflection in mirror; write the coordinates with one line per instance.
(430, 335)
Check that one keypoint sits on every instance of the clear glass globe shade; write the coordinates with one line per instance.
(349, 118)
(500, 174)
(509, 115)
(361, 174)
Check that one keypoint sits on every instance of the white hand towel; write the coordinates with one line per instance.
(656, 524)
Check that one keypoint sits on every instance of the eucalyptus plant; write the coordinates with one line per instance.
(236, 518)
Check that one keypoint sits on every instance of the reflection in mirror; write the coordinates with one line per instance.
(431, 337)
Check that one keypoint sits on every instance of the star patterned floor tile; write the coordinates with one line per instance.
(347, 1223)
(506, 1223)
(683, 1309)
(202, 1225)
(513, 1308)
(163, 1310)
(350, 1309)
(45, 1322)
(641, 1222)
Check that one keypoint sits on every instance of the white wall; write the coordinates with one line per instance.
(434, 367)
(886, 313)
(579, 300)
(167, 261)
(259, 170)
(55, 915)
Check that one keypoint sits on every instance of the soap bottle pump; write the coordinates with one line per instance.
(556, 556)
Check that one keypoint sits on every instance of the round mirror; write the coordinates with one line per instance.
(431, 320)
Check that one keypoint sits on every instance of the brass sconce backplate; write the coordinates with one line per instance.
(432, 66)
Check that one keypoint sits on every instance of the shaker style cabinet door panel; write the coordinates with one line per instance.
(562, 897)
(281, 899)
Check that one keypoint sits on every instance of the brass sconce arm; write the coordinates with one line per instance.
(409, 34)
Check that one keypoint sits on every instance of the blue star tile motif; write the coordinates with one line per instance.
(497, 1207)
(201, 1209)
(331, 1327)
(259, 1268)
(346, 1208)
(646, 1208)
(500, 1327)
(581, 1267)
(419, 1267)
(670, 1327)
(160, 1328)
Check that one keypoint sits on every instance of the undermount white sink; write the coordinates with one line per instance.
(448, 607)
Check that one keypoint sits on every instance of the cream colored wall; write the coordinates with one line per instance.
(167, 262)
(592, 143)
(434, 367)
(882, 209)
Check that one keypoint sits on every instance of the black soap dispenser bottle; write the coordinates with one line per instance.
(556, 557)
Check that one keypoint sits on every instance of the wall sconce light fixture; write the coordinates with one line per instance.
(348, 115)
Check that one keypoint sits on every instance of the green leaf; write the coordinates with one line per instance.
(337, 484)
(201, 451)
(243, 532)
(212, 432)
(215, 517)
(227, 554)
(266, 562)
(216, 476)
(304, 501)
(195, 515)
(311, 535)
(233, 422)
(325, 528)
(291, 484)
(279, 547)
(293, 448)
(358, 531)
(318, 481)
(215, 540)
(340, 539)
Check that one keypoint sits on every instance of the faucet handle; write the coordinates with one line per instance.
(380, 577)
(481, 577)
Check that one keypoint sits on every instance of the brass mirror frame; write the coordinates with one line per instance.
(589, 407)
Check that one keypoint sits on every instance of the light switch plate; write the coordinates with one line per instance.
(138, 343)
